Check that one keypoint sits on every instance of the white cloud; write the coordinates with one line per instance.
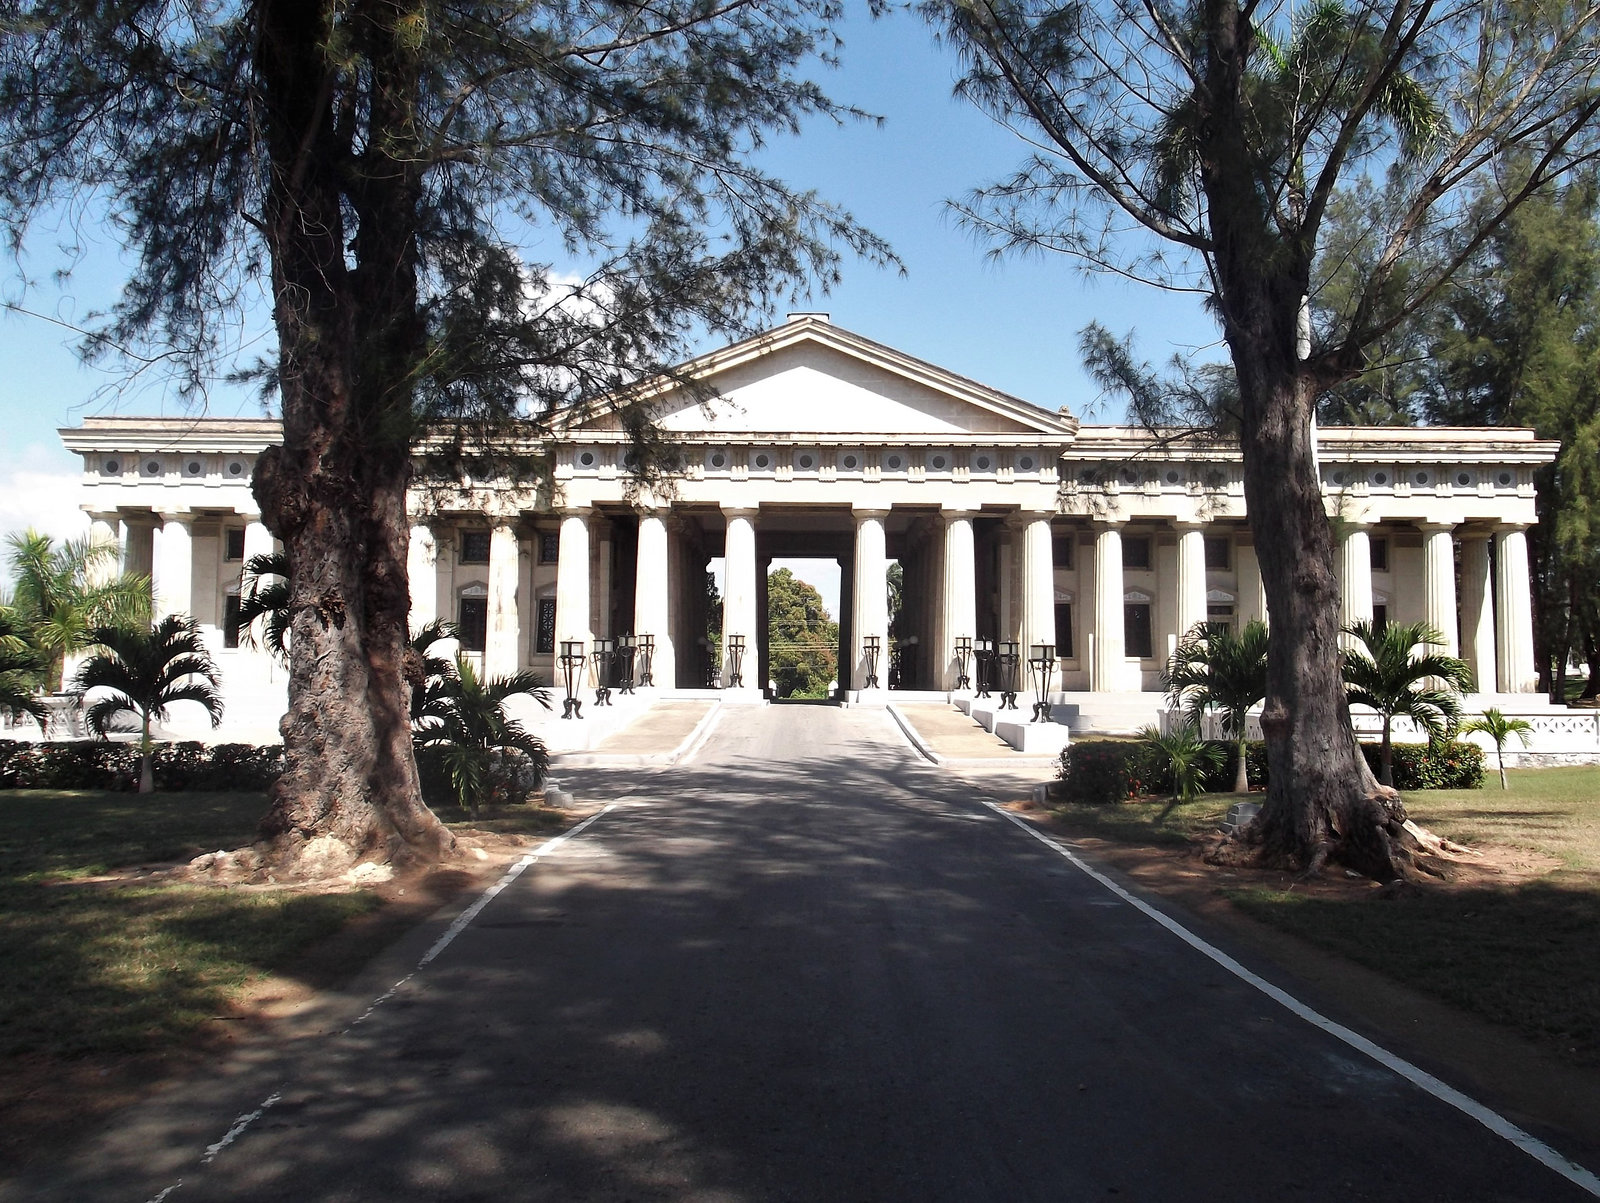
(39, 489)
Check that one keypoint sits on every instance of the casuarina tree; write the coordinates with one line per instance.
(461, 216)
(1200, 145)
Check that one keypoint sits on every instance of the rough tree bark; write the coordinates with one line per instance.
(345, 305)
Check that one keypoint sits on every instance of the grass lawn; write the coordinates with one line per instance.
(95, 968)
(1524, 954)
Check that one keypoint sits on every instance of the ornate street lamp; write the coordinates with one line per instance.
(1042, 666)
(647, 655)
(1008, 658)
(736, 661)
(983, 649)
(874, 647)
(603, 652)
(626, 645)
(963, 656)
(571, 669)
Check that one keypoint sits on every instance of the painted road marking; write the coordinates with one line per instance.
(460, 925)
(1496, 1123)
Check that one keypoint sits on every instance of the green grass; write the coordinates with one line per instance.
(93, 968)
(1148, 820)
(1552, 811)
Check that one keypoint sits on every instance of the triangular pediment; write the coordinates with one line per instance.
(809, 376)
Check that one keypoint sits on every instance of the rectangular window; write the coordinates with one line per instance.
(1136, 630)
(1063, 552)
(1380, 617)
(1219, 552)
(1064, 630)
(547, 624)
(1379, 551)
(1219, 618)
(233, 539)
(474, 547)
(472, 625)
(1136, 552)
(549, 546)
(230, 619)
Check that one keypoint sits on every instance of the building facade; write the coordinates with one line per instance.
(1009, 521)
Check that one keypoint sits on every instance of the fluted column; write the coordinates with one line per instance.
(422, 574)
(959, 599)
(1038, 618)
(1191, 578)
(1477, 605)
(174, 567)
(501, 655)
(1355, 576)
(105, 530)
(1514, 611)
(1107, 665)
(739, 595)
(572, 580)
(870, 600)
(1439, 582)
(654, 595)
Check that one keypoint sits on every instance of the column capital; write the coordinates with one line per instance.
(948, 511)
(863, 514)
(1512, 528)
(1101, 526)
(1187, 525)
(184, 515)
(1435, 528)
(748, 512)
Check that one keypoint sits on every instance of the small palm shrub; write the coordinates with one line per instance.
(1183, 757)
(487, 754)
(1499, 728)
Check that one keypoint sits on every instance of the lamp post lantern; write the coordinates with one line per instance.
(647, 655)
(1042, 666)
(874, 649)
(604, 650)
(963, 656)
(983, 649)
(571, 667)
(1008, 657)
(736, 661)
(626, 647)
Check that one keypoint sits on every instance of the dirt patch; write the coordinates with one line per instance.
(47, 1104)
(1526, 1082)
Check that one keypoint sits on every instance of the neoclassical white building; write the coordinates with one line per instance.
(1011, 522)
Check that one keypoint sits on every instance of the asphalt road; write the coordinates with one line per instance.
(808, 967)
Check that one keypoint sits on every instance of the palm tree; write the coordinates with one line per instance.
(64, 591)
(466, 716)
(1387, 672)
(145, 672)
(1215, 668)
(427, 673)
(19, 668)
(264, 599)
(1499, 728)
(1185, 756)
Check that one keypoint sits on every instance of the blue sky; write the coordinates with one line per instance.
(1012, 325)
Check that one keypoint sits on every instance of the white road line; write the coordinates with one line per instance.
(455, 929)
(1496, 1123)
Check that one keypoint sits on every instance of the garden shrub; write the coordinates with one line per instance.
(1453, 765)
(102, 764)
(1101, 771)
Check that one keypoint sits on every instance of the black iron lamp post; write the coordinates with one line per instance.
(604, 650)
(647, 655)
(1042, 666)
(571, 669)
(963, 655)
(626, 646)
(736, 661)
(874, 649)
(1008, 657)
(983, 649)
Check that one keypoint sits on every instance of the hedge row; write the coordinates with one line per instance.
(98, 764)
(1102, 771)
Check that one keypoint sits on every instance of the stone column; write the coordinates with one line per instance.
(1514, 611)
(1355, 577)
(654, 594)
(739, 596)
(1038, 595)
(572, 580)
(958, 596)
(174, 567)
(1191, 578)
(1477, 604)
(105, 530)
(501, 655)
(870, 599)
(1107, 664)
(422, 574)
(1439, 582)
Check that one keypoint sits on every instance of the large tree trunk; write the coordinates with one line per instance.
(335, 491)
